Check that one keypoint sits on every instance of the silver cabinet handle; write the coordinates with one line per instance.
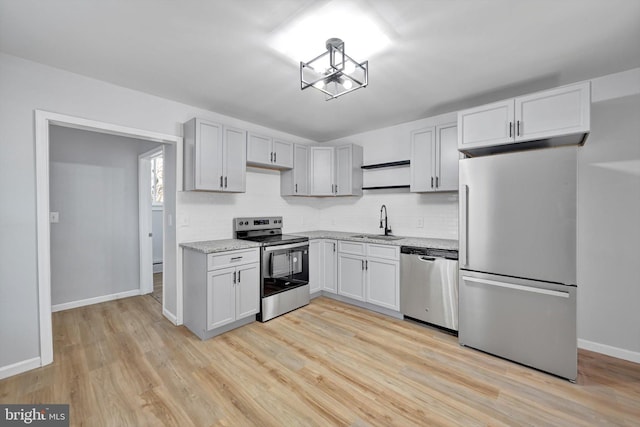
(518, 129)
(271, 158)
(238, 276)
(464, 223)
(236, 258)
(517, 287)
(275, 157)
(296, 190)
(362, 261)
(366, 265)
(437, 183)
(334, 247)
(225, 182)
(336, 188)
(234, 277)
(431, 182)
(510, 129)
(220, 181)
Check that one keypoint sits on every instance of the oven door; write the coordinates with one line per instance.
(284, 267)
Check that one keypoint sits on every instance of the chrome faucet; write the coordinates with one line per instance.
(387, 230)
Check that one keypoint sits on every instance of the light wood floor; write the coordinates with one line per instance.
(157, 287)
(121, 363)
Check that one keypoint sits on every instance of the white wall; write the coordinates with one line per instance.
(26, 86)
(437, 212)
(94, 188)
(609, 220)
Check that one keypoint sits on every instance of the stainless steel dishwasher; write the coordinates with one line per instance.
(429, 285)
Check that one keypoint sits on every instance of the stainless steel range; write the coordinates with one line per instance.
(284, 265)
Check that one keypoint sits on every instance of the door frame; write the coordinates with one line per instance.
(43, 237)
(145, 205)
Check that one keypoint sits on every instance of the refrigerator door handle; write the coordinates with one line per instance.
(516, 287)
(464, 234)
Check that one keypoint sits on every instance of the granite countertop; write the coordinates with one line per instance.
(211, 246)
(421, 242)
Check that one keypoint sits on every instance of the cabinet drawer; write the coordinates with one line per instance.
(354, 248)
(231, 258)
(383, 251)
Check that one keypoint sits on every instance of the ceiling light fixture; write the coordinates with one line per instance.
(334, 72)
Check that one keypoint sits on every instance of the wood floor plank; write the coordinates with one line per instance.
(121, 363)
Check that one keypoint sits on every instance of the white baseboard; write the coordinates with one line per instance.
(20, 367)
(620, 353)
(95, 300)
(172, 318)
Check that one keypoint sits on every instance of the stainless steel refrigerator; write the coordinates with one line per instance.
(517, 281)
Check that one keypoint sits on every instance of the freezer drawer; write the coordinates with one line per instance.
(529, 322)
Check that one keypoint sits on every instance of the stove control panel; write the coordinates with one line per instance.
(257, 223)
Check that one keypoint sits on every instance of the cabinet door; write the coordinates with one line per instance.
(221, 298)
(259, 149)
(486, 125)
(247, 290)
(316, 267)
(330, 259)
(556, 112)
(344, 171)
(446, 158)
(422, 159)
(282, 154)
(235, 157)
(383, 283)
(351, 276)
(321, 171)
(301, 170)
(208, 155)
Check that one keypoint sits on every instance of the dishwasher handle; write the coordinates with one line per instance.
(427, 258)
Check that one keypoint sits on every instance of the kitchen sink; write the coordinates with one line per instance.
(376, 236)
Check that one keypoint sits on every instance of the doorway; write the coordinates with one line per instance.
(172, 145)
(151, 211)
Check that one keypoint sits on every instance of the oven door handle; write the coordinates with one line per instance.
(269, 249)
(271, 264)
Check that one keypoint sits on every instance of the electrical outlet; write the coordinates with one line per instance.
(420, 223)
(54, 217)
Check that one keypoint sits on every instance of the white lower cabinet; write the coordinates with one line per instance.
(369, 272)
(232, 294)
(351, 276)
(322, 265)
(221, 290)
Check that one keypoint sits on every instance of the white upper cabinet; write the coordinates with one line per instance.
(434, 158)
(490, 124)
(446, 158)
(214, 157)
(335, 171)
(295, 182)
(234, 155)
(321, 171)
(422, 153)
(561, 112)
(267, 152)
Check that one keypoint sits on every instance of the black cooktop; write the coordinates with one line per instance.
(275, 239)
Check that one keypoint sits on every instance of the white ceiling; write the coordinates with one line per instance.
(214, 54)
